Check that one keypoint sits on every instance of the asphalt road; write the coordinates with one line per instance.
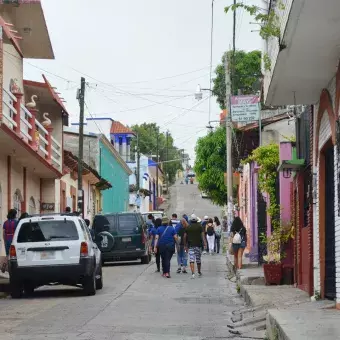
(186, 198)
(135, 303)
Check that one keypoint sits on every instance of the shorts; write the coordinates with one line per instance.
(238, 246)
(195, 254)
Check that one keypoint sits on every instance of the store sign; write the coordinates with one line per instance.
(245, 108)
(47, 206)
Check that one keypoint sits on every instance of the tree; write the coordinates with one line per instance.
(247, 73)
(147, 135)
(210, 165)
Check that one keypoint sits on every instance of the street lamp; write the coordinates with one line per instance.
(199, 92)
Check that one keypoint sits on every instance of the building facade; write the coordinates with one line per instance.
(305, 70)
(31, 116)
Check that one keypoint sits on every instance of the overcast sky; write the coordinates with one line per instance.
(145, 58)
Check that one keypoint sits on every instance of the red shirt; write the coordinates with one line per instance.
(9, 228)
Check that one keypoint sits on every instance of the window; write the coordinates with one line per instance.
(128, 223)
(17, 198)
(100, 222)
(31, 207)
(50, 231)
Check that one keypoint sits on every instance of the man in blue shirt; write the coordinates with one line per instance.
(152, 238)
(165, 240)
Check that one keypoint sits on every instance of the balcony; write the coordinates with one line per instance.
(306, 58)
(25, 133)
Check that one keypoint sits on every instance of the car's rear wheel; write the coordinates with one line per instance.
(16, 288)
(89, 284)
(145, 259)
(29, 289)
(99, 281)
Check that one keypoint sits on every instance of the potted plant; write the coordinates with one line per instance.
(275, 245)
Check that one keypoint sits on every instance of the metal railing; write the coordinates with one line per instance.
(31, 131)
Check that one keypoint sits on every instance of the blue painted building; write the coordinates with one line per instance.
(116, 171)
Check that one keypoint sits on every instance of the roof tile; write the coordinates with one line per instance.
(118, 127)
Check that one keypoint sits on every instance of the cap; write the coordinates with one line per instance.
(206, 217)
(165, 220)
(193, 217)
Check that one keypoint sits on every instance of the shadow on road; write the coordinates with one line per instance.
(122, 264)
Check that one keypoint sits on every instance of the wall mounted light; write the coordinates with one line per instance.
(287, 173)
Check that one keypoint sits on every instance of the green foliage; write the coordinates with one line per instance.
(268, 157)
(267, 62)
(210, 165)
(247, 72)
(269, 21)
(147, 134)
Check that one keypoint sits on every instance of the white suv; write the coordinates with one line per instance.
(56, 248)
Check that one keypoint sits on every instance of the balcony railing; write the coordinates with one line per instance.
(22, 121)
(272, 45)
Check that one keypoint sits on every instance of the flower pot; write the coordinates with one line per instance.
(272, 273)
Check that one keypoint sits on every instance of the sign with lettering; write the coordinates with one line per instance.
(47, 206)
(245, 108)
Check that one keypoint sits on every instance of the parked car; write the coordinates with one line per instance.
(122, 237)
(54, 248)
(156, 214)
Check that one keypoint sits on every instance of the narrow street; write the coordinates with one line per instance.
(136, 302)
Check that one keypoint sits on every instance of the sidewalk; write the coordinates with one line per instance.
(290, 313)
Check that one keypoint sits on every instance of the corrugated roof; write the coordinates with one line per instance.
(118, 127)
(264, 122)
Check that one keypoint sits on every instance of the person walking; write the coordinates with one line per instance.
(218, 234)
(182, 257)
(23, 215)
(193, 236)
(210, 235)
(174, 220)
(239, 239)
(204, 224)
(153, 234)
(165, 239)
(9, 227)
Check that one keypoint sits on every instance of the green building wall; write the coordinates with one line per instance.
(115, 199)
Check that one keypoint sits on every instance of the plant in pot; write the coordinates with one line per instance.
(273, 267)
(280, 235)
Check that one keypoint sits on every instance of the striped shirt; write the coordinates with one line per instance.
(9, 228)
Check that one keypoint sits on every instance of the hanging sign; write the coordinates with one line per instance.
(244, 108)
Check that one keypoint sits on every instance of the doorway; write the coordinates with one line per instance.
(330, 290)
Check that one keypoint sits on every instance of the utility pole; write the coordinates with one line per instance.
(138, 164)
(81, 98)
(167, 158)
(228, 143)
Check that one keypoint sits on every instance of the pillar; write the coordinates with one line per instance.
(49, 145)
(17, 106)
(33, 131)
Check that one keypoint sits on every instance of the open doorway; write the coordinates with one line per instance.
(329, 220)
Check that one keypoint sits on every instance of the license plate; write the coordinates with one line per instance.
(126, 239)
(47, 255)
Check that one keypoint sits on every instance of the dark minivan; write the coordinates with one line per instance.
(122, 237)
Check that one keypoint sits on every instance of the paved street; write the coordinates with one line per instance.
(187, 199)
(136, 302)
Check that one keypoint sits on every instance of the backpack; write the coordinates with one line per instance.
(237, 239)
(210, 231)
